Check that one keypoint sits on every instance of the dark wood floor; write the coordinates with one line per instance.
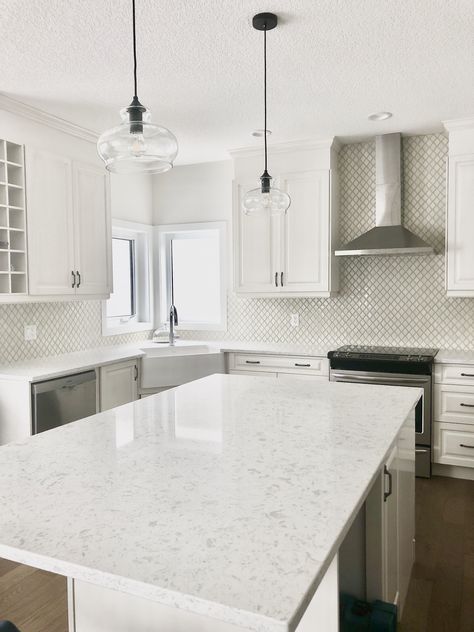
(34, 600)
(441, 594)
(440, 599)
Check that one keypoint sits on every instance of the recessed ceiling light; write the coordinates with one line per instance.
(380, 116)
(259, 133)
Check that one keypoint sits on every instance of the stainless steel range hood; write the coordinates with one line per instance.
(389, 237)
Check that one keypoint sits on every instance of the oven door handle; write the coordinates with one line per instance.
(377, 379)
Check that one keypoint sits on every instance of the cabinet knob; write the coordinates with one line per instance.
(276, 279)
(281, 279)
(78, 278)
(73, 274)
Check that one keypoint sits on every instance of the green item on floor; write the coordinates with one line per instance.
(360, 616)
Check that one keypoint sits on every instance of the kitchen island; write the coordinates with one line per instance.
(220, 505)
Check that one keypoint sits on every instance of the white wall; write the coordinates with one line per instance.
(194, 193)
(131, 197)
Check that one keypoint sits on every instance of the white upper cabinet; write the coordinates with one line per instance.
(256, 249)
(306, 232)
(50, 224)
(291, 254)
(91, 229)
(69, 240)
(460, 212)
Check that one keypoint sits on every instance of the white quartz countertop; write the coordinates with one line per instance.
(228, 496)
(445, 356)
(38, 369)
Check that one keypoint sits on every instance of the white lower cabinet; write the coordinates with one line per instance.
(390, 523)
(118, 384)
(390, 528)
(454, 444)
(453, 425)
(278, 365)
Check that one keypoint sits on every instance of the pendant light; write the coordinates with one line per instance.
(137, 145)
(266, 198)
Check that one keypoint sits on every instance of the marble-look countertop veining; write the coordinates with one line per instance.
(228, 496)
(46, 368)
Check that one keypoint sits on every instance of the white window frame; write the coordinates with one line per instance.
(142, 234)
(163, 236)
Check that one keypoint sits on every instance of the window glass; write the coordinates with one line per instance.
(197, 277)
(122, 301)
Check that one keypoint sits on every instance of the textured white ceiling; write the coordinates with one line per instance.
(331, 63)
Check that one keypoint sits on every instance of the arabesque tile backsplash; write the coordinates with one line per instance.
(382, 300)
(61, 328)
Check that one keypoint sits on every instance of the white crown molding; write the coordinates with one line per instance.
(457, 125)
(280, 148)
(40, 116)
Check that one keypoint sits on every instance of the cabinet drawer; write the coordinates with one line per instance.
(279, 363)
(454, 444)
(454, 404)
(454, 374)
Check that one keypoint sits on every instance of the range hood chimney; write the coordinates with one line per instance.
(389, 237)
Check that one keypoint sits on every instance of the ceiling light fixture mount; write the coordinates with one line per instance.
(265, 198)
(137, 145)
(380, 116)
(259, 133)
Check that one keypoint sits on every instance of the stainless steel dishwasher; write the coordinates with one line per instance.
(62, 400)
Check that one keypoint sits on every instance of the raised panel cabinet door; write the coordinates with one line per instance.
(460, 227)
(50, 223)
(118, 384)
(92, 229)
(306, 237)
(256, 241)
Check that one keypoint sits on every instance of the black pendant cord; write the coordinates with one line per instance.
(134, 53)
(264, 93)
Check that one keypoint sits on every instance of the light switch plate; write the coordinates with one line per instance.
(30, 332)
(295, 320)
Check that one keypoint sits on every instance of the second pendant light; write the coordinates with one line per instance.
(265, 198)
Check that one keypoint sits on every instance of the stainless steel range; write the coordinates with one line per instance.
(396, 366)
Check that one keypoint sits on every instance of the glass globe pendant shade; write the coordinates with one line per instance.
(266, 199)
(137, 145)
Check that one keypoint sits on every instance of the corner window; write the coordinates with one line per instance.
(192, 266)
(129, 307)
(122, 300)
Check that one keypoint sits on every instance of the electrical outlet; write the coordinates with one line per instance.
(30, 332)
(295, 320)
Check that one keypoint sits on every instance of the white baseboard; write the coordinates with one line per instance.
(453, 471)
